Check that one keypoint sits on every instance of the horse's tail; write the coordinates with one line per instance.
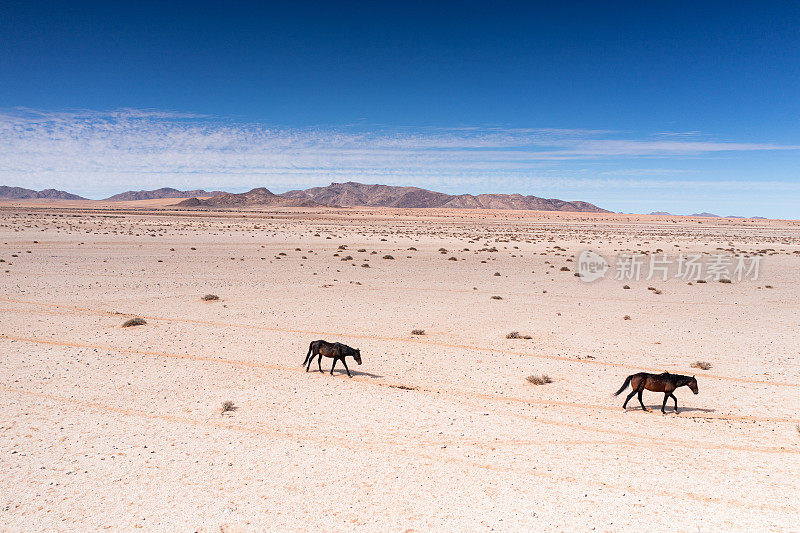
(308, 355)
(624, 386)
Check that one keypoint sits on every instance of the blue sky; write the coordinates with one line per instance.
(634, 106)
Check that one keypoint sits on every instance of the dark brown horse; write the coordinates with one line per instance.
(335, 350)
(666, 383)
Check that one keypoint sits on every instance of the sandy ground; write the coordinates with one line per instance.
(105, 427)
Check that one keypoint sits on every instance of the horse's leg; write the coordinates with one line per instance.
(345, 367)
(641, 402)
(628, 398)
(666, 397)
(310, 359)
(333, 364)
(676, 402)
(319, 362)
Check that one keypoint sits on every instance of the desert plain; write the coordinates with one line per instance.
(105, 427)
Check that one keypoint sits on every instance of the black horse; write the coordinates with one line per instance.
(335, 350)
(666, 383)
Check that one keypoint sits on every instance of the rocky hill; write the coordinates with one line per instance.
(164, 192)
(359, 194)
(20, 193)
(256, 197)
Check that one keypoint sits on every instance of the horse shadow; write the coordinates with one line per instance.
(358, 373)
(657, 408)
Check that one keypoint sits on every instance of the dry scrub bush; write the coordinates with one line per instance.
(137, 321)
(702, 365)
(210, 298)
(418, 332)
(539, 380)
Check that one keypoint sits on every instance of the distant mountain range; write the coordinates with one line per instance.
(359, 194)
(703, 214)
(164, 192)
(19, 193)
(337, 195)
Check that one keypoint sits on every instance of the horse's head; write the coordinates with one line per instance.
(693, 385)
(357, 355)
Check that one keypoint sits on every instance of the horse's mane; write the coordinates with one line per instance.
(680, 379)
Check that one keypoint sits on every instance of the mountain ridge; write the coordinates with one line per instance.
(260, 196)
(21, 193)
(375, 195)
(156, 194)
(345, 194)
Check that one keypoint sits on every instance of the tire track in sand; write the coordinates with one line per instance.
(419, 455)
(462, 394)
(392, 339)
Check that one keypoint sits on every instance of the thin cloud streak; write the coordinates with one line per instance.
(109, 151)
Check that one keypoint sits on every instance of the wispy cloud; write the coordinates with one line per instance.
(102, 152)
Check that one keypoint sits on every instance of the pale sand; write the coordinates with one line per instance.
(120, 428)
